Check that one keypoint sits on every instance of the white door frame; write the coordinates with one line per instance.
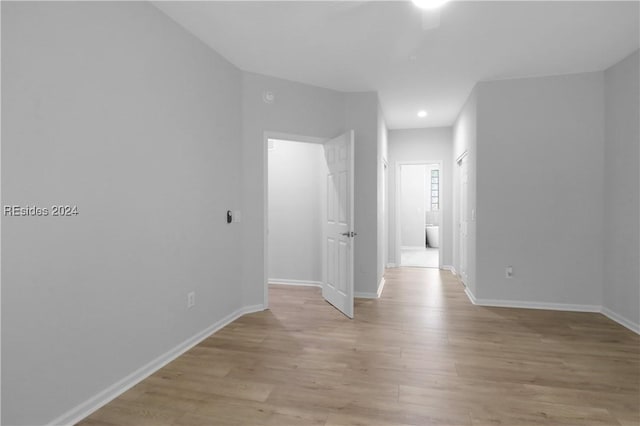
(265, 197)
(398, 200)
(462, 272)
(385, 215)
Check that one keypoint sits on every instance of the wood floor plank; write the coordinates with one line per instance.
(422, 354)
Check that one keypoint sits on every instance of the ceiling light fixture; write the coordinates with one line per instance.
(422, 114)
(429, 4)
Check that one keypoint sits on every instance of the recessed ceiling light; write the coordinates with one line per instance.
(429, 4)
(422, 114)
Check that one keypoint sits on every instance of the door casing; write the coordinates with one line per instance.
(398, 200)
(265, 200)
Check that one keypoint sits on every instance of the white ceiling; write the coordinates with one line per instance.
(380, 45)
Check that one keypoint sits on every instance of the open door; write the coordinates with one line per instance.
(337, 286)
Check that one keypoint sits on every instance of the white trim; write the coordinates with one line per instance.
(265, 216)
(391, 265)
(449, 268)
(266, 135)
(635, 327)
(84, 409)
(397, 201)
(365, 295)
(411, 247)
(290, 137)
(368, 295)
(461, 160)
(280, 281)
(497, 303)
(554, 307)
(381, 286)
(470, 295)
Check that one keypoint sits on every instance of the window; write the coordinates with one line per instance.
(435, 190)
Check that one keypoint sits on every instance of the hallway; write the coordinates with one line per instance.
(423, 257)
(422, 354)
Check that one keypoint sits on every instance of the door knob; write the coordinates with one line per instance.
(349, 234)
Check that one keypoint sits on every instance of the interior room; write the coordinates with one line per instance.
(420, 215)
(204, 223)
(296, 208)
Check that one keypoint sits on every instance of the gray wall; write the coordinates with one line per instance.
(361, 115)
(309, 111)
(297, 179)
(621, 291)
(432, 144)
(557, 162)
(297, 109)
(115, 108)
(540, 189)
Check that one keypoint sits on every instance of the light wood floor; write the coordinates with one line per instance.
(420, 355)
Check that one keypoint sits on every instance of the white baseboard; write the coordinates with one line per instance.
(449, 268)
(391, 265)
(280, 281)
(635, 327)
(470, 295)
(497, 303)
(367, 295)
(554, 307)
(362, 295)
(381, 286)
(83, 410)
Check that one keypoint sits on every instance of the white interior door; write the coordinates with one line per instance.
(464, 217)
(337, 287)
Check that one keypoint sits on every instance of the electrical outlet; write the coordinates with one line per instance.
(508, 272)
(191, 299)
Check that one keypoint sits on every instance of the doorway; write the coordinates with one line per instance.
(309, 216)
(419, 214)
(295, 204)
